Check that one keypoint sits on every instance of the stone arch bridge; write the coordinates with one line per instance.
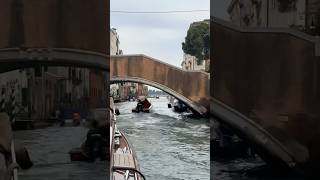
(191, 87)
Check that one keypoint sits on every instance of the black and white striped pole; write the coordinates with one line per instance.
(3, 100)
(13, 105)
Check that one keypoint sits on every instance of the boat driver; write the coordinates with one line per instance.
(139, 105)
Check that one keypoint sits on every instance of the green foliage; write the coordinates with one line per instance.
(206, 46)
(197, 41)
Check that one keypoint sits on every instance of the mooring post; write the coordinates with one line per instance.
(13, 104)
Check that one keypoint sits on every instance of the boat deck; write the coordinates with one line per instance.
(123, 157)
(123, 160)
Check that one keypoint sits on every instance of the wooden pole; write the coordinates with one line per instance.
(14, 161)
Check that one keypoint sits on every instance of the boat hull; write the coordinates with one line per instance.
(145, 110)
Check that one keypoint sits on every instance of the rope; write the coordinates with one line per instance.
(14, 164)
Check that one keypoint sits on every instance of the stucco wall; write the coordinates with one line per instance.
(79, 24)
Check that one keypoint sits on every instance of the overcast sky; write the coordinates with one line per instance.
(156, 35)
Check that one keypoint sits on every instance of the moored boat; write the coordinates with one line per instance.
(124, 160)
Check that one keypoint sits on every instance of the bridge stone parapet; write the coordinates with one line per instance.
(191, 87)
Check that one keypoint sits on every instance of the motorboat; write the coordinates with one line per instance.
(124, 163)
(179, 106)
(131, 98)
(143, 105)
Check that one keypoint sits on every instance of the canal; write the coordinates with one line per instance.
(169, 146)
(49, 147)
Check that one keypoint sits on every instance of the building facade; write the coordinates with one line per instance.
(122, 91)
(115, 50)
(114, 42)
(189, 63)
(267, 13)
(312, 13)
(39, 92)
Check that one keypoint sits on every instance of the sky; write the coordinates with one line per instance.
(156, 35)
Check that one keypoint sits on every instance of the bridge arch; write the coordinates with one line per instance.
(17, 58)
(191, 87)
(185, 100)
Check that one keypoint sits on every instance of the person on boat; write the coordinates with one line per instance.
(139, 105)
(61, 116)
(97, 138)
(76, 118)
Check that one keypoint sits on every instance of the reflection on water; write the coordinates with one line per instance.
(49, 149)
(168, 145)
(247, 168)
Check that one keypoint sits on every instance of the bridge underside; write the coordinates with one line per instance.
(272, 145)
(269, 93)
(15, 58)
(194, 107)
(190, 87)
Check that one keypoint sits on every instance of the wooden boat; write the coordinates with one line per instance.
(124, 164)
(124, 160)
(143, 105)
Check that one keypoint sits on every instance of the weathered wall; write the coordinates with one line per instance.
(79, 24)
(271, 77)
(192, 85)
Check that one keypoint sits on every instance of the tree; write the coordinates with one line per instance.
(197, 41)
(206, 46)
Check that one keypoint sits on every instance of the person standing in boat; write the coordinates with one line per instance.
(140, 105)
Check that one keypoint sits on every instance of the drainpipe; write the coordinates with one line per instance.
(306, 14)
(267, 14)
